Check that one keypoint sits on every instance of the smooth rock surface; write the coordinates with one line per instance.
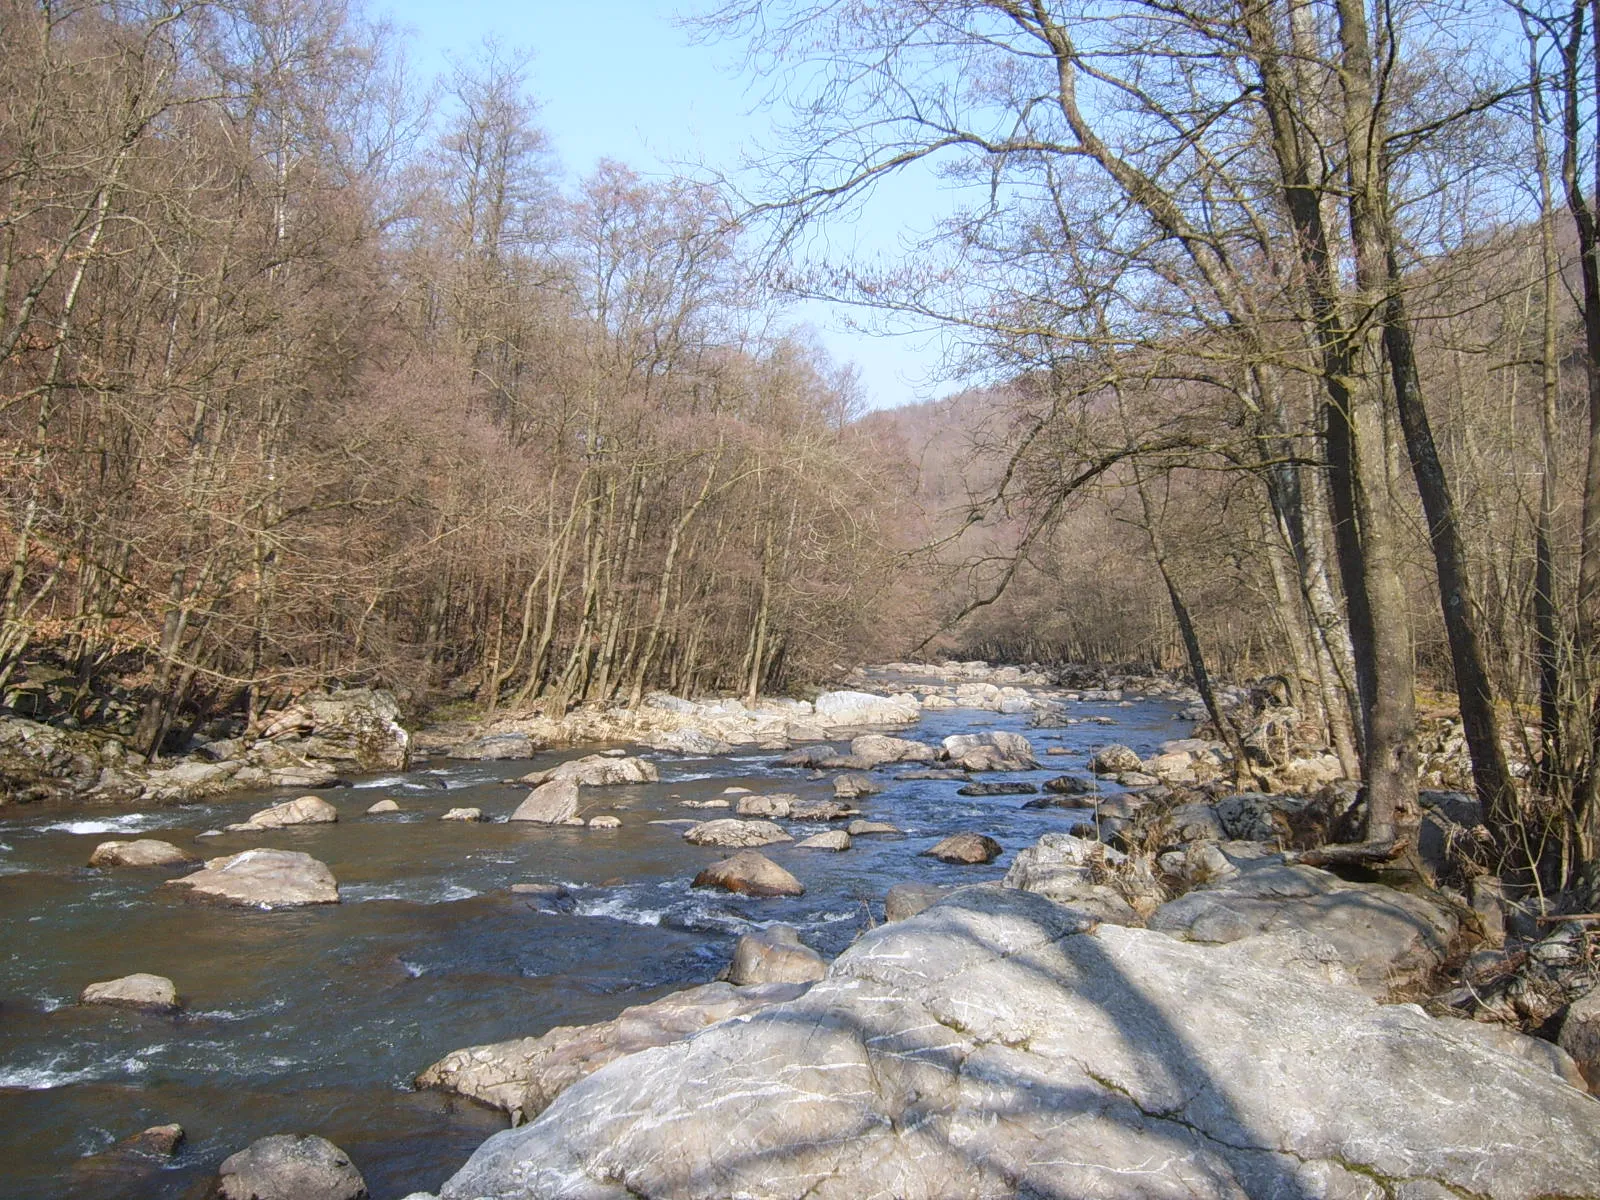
(287, 1166)
(851, 786)
(750, 874)
(304, 810)
(381, 807)
(1000, 1045)
(877, 749)
(833, 839)
(1384, 937)
(598, 770)
(263, 878)
(356, 730)
(734, 833)
(463, 814)
(966, 849)
(862, 828)
(1074, 871)
(905, 900)
(1580, 1036)
(774, 955)
(522, 1076)
(139, 990)
(146, 852)
(775, 805)
(549, 803)
(845, 709)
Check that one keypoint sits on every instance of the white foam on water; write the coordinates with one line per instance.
(385, 781)
(415, 970)
(128, 823)
(417, 894)
(619, 908)
(49, 1075)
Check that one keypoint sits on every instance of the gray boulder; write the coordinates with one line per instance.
(355, 730)
(1001, 1045)
(139, 990)
(1114, 760)
(733, 833)
(522, 1076)
(1385, 938)
(495, 747)
(997, 751)
(145, 852)
(774, 955)
(877, 749)
(860, 828)
(287, 1166)
(383, 806)
(598, 770)
(1580, 1036)
(691, 743)
(1074, 871)
(851, 786)
(776, 805)
(905, 900)
(966, 848)
(549, 804)
(262, 878)
(833, 839)
(750, 874)
(306, 810)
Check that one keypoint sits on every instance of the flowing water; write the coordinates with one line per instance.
(315, 1020)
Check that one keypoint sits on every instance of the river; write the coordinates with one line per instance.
(315, 1020)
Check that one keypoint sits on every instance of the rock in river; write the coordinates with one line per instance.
(731, 832)
(774, 955)
(550, 803)
(851, 786)
(966, 848)
(877, 749)
(833, 839)
(1000, 1045)
(263, 878)
(306, 810)
(290, 1167)
(750, 874)
(463, 814)
(139, 990)
(146, 852)
(996, 789)
(381, 807)
(598, 770)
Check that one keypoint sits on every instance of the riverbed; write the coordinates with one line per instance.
(315, 1020)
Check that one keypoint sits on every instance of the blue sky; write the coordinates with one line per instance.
(623, 81)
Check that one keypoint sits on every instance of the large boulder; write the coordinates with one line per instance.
(1114, 760)
(966, 849)
(522, 1076)
(306, 810)
(1385, 938)
(139, 990)
(44, 762)
(145, 852)
(905, 900)
(997, 751)
(262, 878)
(876, 749)
(691, 743)
(1001, 1045)
(355, 730)
(774, 955)
(849, 709)
(495, 747)
(287, 1166)
(1075, 871)
(731, 832)
(777, 805)
(550, 803)
(750, 874)
(1580, 1036)
(833, 839)
(852, 786)
(598, 770)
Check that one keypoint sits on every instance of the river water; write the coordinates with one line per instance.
(315, 1020)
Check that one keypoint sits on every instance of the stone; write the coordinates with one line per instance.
(139, 990)
(546, 897)
(159, 1141)
(1000, 1045)
(851, 786)
(1191, 823)
(776, 805)
(1070, 785)
(1073, 871)
(290, 1166)
(1385, 938)
(691, 743)
(605, 821)
(381, 807)
(715, 802)
(187, 781)
(997, 789)
(862, 828)
(1074, 802)
(145, 852)
(263, 878)
(306, 810)
(1580, 1036)
(495, 747)
(905, 900)
(876, 750)
(356, 730)
(932, 773)
(966, 848)
(597, 770)
(522, 1076)
(463, 814)
(731, 832)
(1114, 760)
(750, 874)
(549, 803)
(821, 810)
(774, 955)
(807, 756)
(833, 839)
(996, 751)
(849, 709)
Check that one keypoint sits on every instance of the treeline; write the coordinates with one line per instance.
(1296, 308)
(308, 380)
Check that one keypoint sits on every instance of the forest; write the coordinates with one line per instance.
(1280, 321)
